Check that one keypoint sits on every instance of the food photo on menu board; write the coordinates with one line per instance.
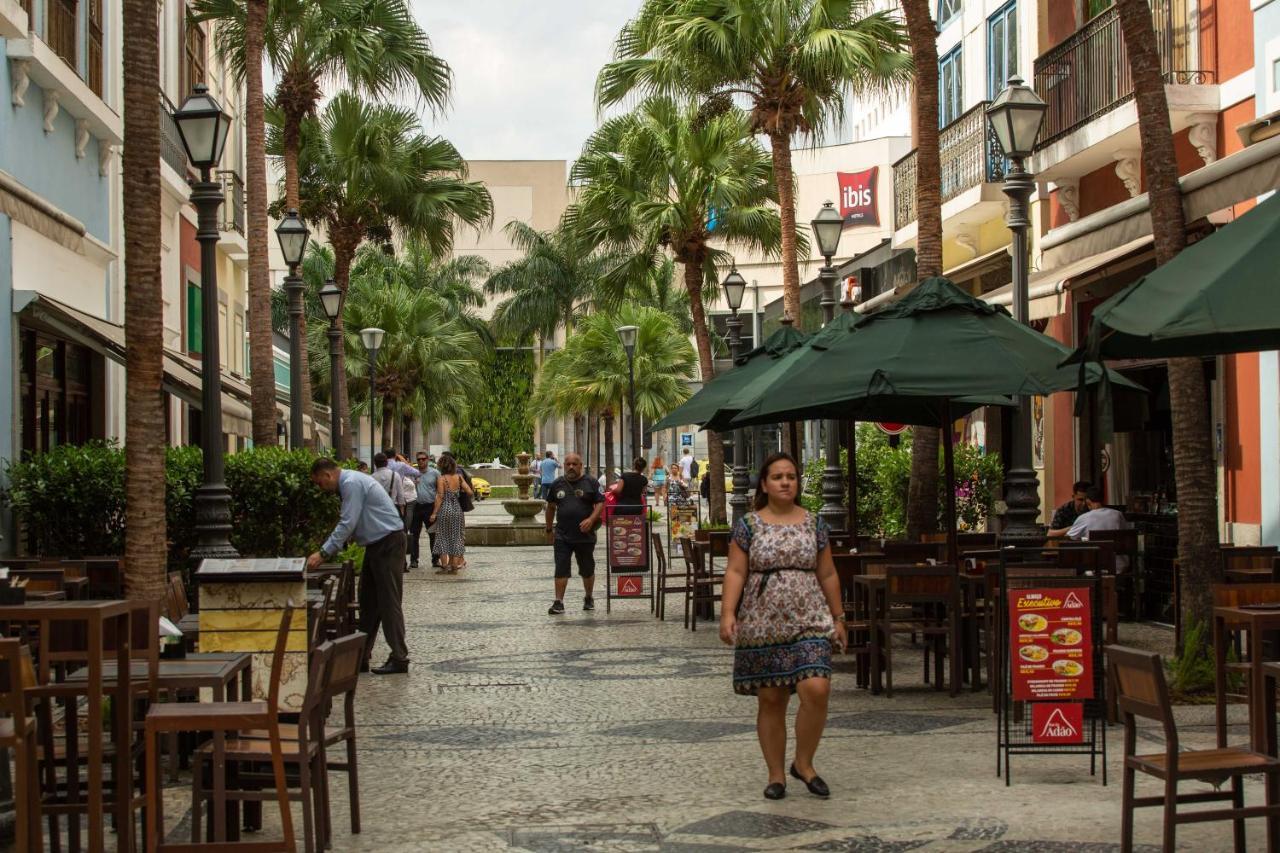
(1051, 643)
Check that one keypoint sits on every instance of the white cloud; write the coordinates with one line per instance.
(524, 72)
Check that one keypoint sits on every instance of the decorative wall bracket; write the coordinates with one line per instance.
(968, 240)
(51, 97)
(20, 71)
(105, 152)
(1069, 198)
(82, 137)
(1204, 136)
(1129, 170)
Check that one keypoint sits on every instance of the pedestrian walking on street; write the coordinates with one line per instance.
(659, 477)
(574, 506)
(547, 469)
(449, 542)
(781, 572)
(369, 516)
(535, 468)
(398, 487)
(686, 466)
(629, 490)
(424, 504)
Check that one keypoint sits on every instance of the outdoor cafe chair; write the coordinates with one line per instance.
(700, 576)
(18, 734)
(1235, 595)
(666, 581)
(1249, 563)
(1137, 681)
(221, 718)
(923, 601)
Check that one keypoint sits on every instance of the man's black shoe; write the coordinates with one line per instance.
(413, 564)
(556, 608)
(588, 603)
(391, 667)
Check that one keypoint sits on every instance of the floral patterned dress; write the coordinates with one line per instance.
(785, 627)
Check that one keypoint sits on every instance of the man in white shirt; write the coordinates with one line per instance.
(686, 465)
(1099, 517)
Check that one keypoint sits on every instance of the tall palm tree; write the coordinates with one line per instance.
(794, 62)
(367, 170)
(667, 178)
(590, 373)
(659, 289)
(1192, 441)
(144, 541)
(922, 493)
(457, 281)
(374, 47)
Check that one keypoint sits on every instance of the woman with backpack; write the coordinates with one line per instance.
(447, 516)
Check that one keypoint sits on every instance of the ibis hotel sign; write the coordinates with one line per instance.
(858, 204)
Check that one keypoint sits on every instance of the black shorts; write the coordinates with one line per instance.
(585, 552)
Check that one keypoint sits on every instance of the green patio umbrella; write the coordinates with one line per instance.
(1216, 297)
(710, 401)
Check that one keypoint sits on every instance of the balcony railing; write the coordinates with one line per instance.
(1088, 74)
(61, 28)
(969, 154)
(233, 201)
(171, 150)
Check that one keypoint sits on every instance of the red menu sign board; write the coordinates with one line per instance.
(1051, 648)
(1057, 722)
(626, 542)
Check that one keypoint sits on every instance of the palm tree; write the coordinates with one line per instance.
(590, 373)
(922, 493)
(367, 170)
(374, 47)
(457, 281)
(794, 62)
(144, 541)
(667, 178)
(1192, 441)
(658, 289)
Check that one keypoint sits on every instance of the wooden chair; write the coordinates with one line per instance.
(858, 623)
(320, 614)
(915, 593)
(1137, 682)
(914, 552)
(1249, 563)
(41, 580)
(701, 578)
(219, 718)
(1234, 595)
(666, 581)
(18, 733)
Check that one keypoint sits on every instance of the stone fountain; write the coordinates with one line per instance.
(522, 529)
(523, 508)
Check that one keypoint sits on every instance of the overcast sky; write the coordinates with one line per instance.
(524, 72)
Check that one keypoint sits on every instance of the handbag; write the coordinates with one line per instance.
(465, 500)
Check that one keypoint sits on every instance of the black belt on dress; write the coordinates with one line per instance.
(768, 573)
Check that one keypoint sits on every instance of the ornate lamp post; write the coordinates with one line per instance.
(293, 234)
(827, 227)
(372, 340)
(628, 334)
(203, 127)
(1015, 116)
(735, 287)
(331, 298)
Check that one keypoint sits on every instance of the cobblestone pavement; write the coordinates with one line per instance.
(595, 731)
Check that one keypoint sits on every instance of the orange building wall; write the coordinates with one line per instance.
(1060, 466)
(1061, 20)
(1242, 454)
(1230, 24)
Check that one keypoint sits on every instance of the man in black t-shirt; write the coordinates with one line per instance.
(574, 506)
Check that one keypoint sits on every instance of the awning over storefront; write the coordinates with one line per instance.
(1047, 289)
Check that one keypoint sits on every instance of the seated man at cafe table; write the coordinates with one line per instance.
(1099, 517)
(1066, 515)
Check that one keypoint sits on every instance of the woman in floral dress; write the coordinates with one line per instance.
(780, 569)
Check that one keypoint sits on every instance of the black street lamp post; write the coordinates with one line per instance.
(628, 336)
(735, 287)
(293, 235)
(372, 340)
(1015, 117)
(331, 299)
(827, 227)
(203, 127)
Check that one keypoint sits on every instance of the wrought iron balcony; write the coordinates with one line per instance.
(969, 154)
(1088, 74)
(232, 211)
(171, 150)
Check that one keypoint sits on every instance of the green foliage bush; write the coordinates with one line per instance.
(884, 474)
(72, 501)
(498, 422)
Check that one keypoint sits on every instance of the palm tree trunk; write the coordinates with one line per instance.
(144, 542)
(341, 402)
(1192, 441)
(293, 200)
(389, 421)
(262, 378)
(922, 493)
(608, 447)
(785, 179)
(701, 334)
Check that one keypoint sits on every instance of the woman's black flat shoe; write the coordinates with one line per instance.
(775, 791)
(815, 785)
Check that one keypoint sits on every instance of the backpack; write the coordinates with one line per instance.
(693, 469)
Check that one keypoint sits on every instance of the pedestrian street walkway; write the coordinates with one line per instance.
(594, 731)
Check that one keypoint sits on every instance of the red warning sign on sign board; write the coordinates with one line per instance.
(629, 586)
(1051, 645)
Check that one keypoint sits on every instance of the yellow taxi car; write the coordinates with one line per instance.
(481, 487)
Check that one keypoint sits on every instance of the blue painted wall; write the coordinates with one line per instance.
(8, 366)
(46, 162)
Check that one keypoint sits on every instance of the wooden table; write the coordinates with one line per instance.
(97, 618)
(868, 593)
(1257, 621)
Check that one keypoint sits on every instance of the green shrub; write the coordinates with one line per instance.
(275, 509)
(71, 499)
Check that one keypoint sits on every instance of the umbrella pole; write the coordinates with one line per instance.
(852, 445)
(949, 471)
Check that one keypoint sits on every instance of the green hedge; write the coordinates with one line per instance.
(72, 500)
(498, 422)
(884, 474)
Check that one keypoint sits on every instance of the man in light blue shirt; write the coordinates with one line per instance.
(426, 501)
(548, 471)
(370, 518)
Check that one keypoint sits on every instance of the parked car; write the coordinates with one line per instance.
(481, 487)
(484, 465)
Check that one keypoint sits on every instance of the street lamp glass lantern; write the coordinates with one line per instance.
(293, 234)
(331, 299)
(827, 226)
(371, 338)
(627, 334)
(203, 127)
(735, 287)
(1015, 116)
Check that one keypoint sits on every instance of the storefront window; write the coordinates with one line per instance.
(58, 397)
